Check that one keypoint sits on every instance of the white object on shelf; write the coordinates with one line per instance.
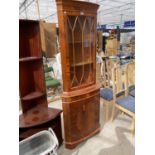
(42, 143)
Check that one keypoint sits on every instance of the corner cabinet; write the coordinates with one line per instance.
(36, 115)
(81, 99)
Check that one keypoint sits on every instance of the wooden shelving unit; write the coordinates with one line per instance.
(29, 59)
(33, 95)
(77, 27)
(36, 115)
(82, 63)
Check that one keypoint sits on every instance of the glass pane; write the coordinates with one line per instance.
(77, 29)
(71, 21)
(87, 41)
(80, 43)
(81, 20)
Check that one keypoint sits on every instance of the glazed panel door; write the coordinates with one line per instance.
(81, 49)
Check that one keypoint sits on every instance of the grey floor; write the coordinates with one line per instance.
(113, 139)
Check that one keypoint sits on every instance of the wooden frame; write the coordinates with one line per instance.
(80, 99)
(105, 73)
(36, 116)
(131, 73)
(118, 86)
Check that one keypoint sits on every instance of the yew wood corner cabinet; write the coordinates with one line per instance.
(36, 116)
(80, 98)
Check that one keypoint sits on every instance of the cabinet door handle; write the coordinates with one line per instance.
(84, 107)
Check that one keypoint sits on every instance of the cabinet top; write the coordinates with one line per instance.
(28, 21)
(72, 5)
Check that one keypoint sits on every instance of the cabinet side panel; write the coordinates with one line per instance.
(26, 80)
(29, 39)
(63, 49)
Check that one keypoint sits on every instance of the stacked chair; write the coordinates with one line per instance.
(51, 82)
(120, 92)
(125, 103)
(131, 80)
(106, 93)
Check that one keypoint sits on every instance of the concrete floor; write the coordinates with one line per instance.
(113, 139)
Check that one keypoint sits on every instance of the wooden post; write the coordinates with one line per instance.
(25, 10)
(38, 9)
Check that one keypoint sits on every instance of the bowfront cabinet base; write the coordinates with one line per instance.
(81, 115)
(72, 145)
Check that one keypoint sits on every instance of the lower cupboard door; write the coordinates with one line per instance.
(92, 114)
(84, 117)
(78, 120)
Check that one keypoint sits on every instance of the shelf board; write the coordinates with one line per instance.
(82, 85)
(80, 42)
(26, 59)
(37, 116)
(82, 63)
(33, 95)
